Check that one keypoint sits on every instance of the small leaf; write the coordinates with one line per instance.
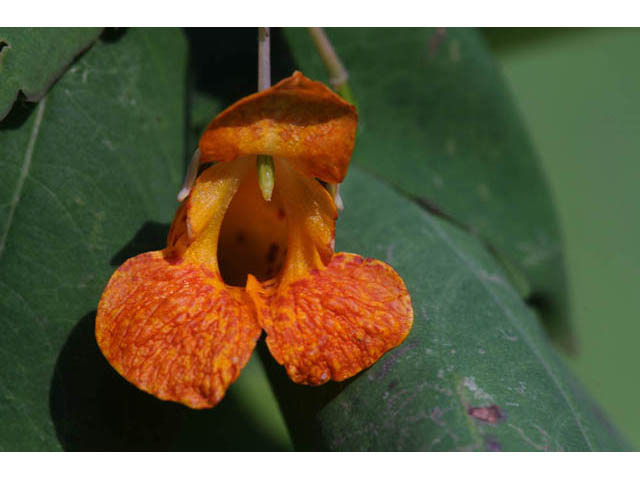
(31, 59)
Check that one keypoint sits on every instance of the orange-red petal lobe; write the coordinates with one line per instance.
(297, 119)
(336, 321)
(174, 330)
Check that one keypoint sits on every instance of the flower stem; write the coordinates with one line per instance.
(264, 58)
(266, 174)
(338, 75)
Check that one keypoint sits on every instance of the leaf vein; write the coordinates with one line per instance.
(26, 165)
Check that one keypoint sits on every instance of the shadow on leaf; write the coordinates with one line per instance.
(19, 113)
(151, 236)
(300, 404)
(95, 409)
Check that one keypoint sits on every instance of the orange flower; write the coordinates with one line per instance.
(182, 322)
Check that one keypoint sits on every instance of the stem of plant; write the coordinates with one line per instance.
(338, 75)
(266, 174)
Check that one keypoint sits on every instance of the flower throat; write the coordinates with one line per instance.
(253, 235)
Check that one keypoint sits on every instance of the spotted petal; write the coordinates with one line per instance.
(174, 330)
(336, 321)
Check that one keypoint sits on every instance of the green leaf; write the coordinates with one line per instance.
(90, 177)
(475, 373)
(96, 161)
(31, 59)
(437, 122)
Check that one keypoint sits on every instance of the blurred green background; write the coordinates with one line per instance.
(579, 94)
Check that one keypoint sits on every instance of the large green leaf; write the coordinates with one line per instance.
(98, 157)
(475, 373)
(31, 59)
(437, 122)
(91, 175)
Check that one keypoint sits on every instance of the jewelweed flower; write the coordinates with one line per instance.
(181, 323)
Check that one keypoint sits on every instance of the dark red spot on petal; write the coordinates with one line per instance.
(272, 253)
(173, 258)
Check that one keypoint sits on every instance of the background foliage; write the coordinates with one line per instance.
(578, 92)
(445, 187)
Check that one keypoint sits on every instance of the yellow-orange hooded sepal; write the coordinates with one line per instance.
(297, 119)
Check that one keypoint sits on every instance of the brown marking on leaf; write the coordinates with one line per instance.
(490, 414)
(493, 445)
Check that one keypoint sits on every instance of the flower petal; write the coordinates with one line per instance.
(311, 214)
(335, 322)
(174, 330)
(205, 209)
(297, 119)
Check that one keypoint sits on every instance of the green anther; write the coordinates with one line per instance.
(266, 176)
